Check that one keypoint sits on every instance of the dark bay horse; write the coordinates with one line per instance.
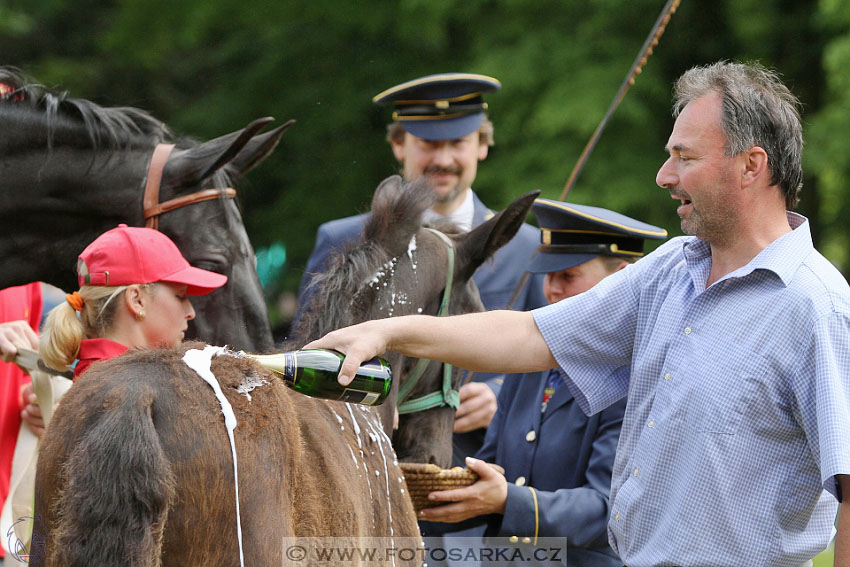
(136, 467)
(397, 269)
(72, 169)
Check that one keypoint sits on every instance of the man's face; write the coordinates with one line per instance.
(575, 280)
(448, 165)
(700, 175)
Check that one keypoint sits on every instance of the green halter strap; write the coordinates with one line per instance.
(448, 396)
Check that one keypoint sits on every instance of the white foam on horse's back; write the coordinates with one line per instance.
(355, 425)
(200, 361)
(249, 383)
(377, 432)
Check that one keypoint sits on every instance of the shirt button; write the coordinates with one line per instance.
(526, 540)
(636, 471)
(617, 516)
(513, 539)
(520, 481)
(651, 423)
(687, 330)
(530, 436)
(667, 376)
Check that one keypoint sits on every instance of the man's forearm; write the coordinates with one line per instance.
(493, 341)
(842, 537)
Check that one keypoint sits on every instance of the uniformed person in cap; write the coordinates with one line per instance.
(440, 130)
(557, 460)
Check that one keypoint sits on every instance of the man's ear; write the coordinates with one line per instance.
(398, 150)
(483, 150)
(755, 166)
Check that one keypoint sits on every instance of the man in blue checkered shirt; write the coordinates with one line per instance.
(732, 345)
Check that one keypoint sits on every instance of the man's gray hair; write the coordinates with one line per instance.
(758, 110)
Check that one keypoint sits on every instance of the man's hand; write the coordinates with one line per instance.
(15, 335)
(31, 412)
(486, 496)
(842, 537)
(358, 343)
(477, 407)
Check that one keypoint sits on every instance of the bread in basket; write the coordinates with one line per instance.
(424, 478)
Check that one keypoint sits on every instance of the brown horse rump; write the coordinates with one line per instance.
(136, 468)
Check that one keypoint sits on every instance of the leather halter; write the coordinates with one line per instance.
(446, 396)
(152, 208)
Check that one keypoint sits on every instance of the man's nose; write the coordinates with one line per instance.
(443, 156)
(665, 177)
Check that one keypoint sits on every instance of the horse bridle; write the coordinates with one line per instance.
(152, 208)
(447, 396)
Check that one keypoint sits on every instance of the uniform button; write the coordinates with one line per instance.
(526, 540)
(520, 481)
(687, 330)
(617, 516)
(531, 436)
(513, 539)
(636, 471)
(667, 376)
(651, 423)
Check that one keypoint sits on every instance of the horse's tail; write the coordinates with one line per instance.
(119, 486)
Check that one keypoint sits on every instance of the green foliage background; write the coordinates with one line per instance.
(207, 67)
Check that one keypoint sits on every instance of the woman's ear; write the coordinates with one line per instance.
(135, 301)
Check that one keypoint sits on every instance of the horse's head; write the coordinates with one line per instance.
(73, 169)
(211, 235)
(402, 268)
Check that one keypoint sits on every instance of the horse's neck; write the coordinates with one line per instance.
(55, 201)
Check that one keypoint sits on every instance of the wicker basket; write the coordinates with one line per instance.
(424, 478)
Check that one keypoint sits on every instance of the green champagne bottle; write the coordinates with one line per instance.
(314, 372)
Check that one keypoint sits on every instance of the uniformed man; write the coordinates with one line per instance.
(557, 460)
(440, 130)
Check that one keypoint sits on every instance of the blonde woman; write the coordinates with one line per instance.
(134, 288)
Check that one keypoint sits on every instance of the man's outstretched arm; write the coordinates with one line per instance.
(493, 341)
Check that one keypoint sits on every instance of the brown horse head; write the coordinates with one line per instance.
(399, 267)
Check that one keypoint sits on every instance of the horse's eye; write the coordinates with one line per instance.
(210, 266)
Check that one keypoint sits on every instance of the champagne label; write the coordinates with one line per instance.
(359, 397)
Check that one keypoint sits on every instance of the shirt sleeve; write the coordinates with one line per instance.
(592, 335)
(821, 386)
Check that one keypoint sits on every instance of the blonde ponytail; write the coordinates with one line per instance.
(64, 331)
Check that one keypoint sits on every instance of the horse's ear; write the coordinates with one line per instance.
(192, 166)
(258, 149)
(480, 243)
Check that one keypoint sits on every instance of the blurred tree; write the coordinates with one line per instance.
(207, 68)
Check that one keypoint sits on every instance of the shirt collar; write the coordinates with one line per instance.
(461, 216)
(93, 350)
(783, 256)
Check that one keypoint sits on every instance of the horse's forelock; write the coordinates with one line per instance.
(112, 126)
(397, 209)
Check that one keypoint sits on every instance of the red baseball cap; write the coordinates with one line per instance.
(137, 255)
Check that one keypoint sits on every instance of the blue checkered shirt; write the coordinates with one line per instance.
(738, 415)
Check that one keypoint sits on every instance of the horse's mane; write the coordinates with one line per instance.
(342, 291)
(114, 126)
